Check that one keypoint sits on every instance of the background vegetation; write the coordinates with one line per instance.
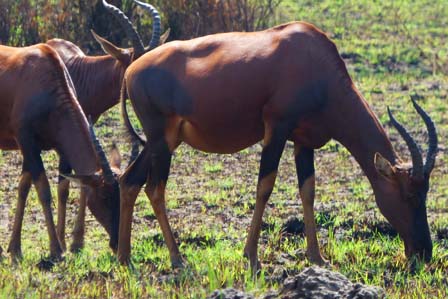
(28, 22)
(393, 50)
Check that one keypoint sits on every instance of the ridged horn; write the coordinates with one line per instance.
(432, 138)
(417, 161)
(105, 167)
(156, 24)
(124, 21)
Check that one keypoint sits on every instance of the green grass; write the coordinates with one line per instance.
(393, 50)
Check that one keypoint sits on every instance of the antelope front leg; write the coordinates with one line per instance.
(32, 163)
(274, 143)
(15, 247)
(304, 158)
(63, 192)
(79, 229)
(44, 193)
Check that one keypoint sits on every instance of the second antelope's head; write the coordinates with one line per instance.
(127, 56)
(403, 197)
(102, 189)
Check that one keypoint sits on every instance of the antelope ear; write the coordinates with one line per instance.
(109, 48)
(164, 36)
(86, 180)
(383, 166)
(114, 156)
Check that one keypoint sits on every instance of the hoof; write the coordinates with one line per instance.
(256, 268)
(16, 253)
(16, 257)
(124, 260)
(63, 247)
(76, 247)
(177, 264)
(255, 264)
(317, 259)
(56, 256)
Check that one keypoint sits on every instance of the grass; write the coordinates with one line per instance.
(393, 50)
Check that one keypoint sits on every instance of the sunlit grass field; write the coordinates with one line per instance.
(394, 50)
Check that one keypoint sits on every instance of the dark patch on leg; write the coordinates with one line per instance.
(64, 168)
(32, 161)
(137, 173)
(305, 173)
(305, 164)
(160, 163)
(270, 158)
(272, 152)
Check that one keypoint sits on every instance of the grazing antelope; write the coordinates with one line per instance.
(97, 80)
(39, 111)
(222, 93)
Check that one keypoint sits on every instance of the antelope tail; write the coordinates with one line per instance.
(124, 114)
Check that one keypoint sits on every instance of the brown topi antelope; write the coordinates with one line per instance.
(97, 80)
(39, 111)
(222, 93)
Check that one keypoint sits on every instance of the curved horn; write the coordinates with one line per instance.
(432, 138)
(124, 21)
(417, 161)
(107, 171)
(156, 24)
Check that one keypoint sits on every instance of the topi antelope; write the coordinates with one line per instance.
(97, 80)
(222, 93)
(39, 111)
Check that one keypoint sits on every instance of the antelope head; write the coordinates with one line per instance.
(102, 190)
(126, 56)
(404, 199)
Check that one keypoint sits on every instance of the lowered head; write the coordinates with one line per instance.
(403, 193)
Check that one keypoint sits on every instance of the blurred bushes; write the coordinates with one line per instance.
(27, 22)
(189, 19)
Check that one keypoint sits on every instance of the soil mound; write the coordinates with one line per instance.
(315, 283)
(319, 283)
